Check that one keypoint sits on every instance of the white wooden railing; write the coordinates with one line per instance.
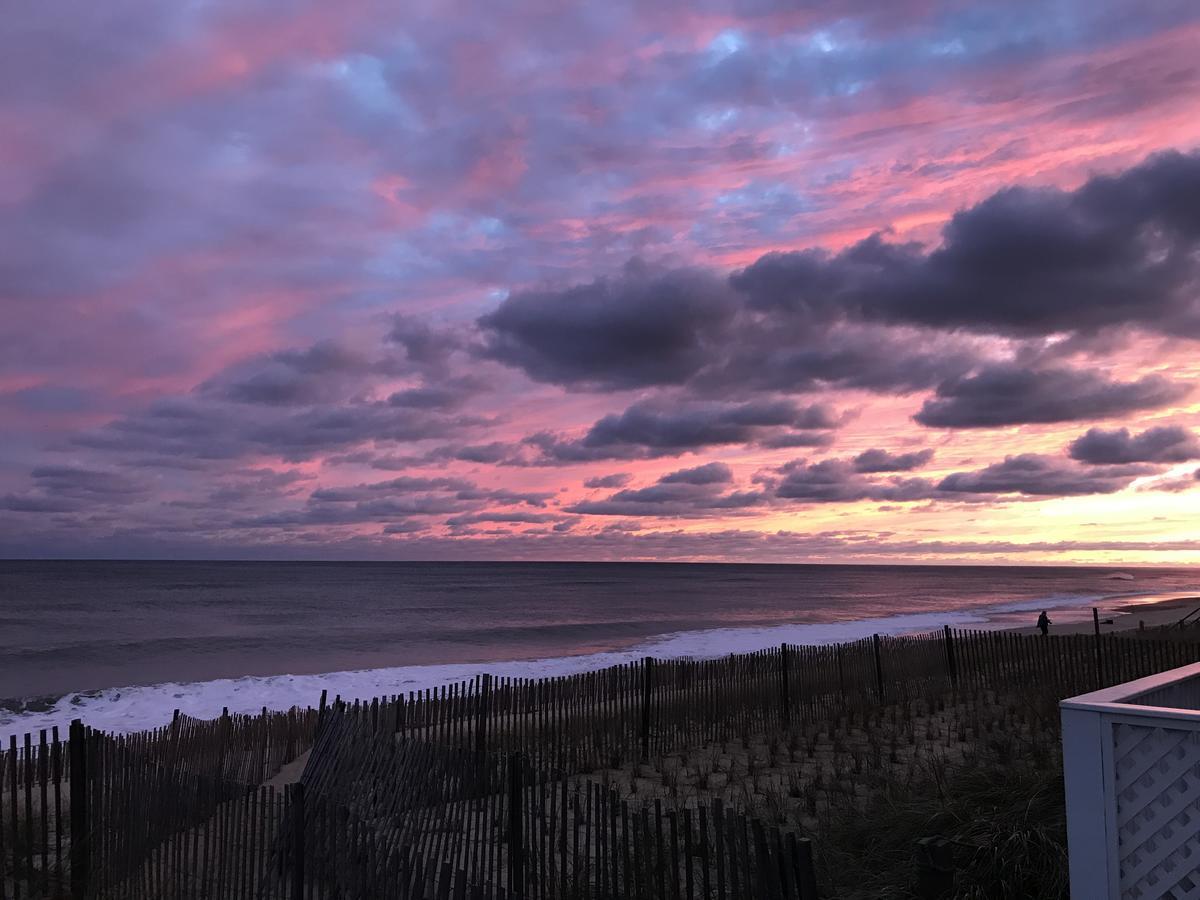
(1131, 760)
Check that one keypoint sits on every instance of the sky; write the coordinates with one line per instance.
(761, 281)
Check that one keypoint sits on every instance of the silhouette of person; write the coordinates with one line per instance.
(1044, 623)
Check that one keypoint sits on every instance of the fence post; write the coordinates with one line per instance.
(77, 746)
(1099, 649)
(647, 679)
(841, 671)
(951, 660)
(786, 693)
(298, 841)
(483, 705)
(806, 873)
(878, 665)
(516, 852)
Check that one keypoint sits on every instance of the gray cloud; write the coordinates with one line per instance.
(647, 327)
(1032, 475)
(1161, 444)
(1009, 394)
(685, 493)
(1120, 249)
(839, 481)
(200, 427)
(321, 373)
(511, 518)
(663, 426)
(616, 480)
(444, 394)
(875, 460)
(655, 428)
(1043, 476)
(709, 473)
(391, 486)
(61, 489)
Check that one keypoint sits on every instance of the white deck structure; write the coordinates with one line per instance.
(1131, 759)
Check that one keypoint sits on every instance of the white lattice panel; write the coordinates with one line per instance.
(1157, 785)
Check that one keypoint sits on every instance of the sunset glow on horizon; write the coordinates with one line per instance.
(861, 282)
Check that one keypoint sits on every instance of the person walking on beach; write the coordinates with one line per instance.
(1043, 624)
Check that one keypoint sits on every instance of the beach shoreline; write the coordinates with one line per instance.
(133, 708)
(1122, 614)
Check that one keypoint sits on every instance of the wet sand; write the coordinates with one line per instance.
(1127, 614)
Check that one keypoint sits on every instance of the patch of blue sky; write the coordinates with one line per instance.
(716, 119)
(726, 43)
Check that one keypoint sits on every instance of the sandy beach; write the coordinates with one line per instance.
(1126, 614)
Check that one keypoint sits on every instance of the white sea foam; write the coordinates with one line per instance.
(136, 708)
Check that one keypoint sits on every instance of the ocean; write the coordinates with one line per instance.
(123, 644)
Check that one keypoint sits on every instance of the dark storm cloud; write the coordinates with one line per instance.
(1119, 250)
(1009, 394)
(647, 327)
(1161, 444)
(875, 460)
(1043, 476)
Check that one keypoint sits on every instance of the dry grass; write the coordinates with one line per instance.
(981, 770)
